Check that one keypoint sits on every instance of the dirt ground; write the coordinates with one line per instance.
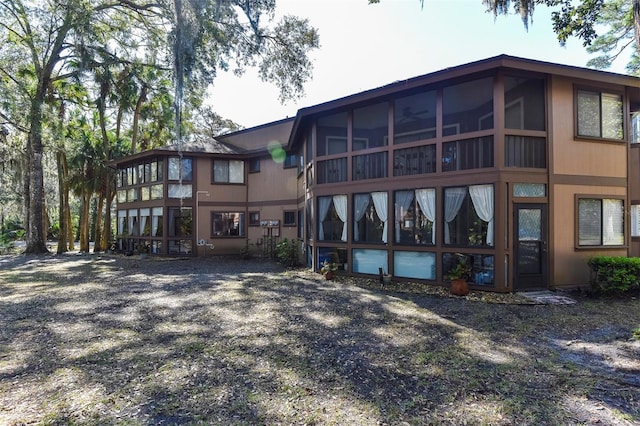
(102, 339)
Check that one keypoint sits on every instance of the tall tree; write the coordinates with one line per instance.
(47, 41)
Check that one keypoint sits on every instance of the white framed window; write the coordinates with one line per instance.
(600, 222)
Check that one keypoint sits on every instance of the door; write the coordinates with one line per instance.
(530, 236)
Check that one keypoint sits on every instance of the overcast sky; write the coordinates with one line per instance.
(366, 46)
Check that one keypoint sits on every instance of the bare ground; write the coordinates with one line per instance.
(98, 339)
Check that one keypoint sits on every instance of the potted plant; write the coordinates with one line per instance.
(143, 251)
(328, 269)
(459, 275)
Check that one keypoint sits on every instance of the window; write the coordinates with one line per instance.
(334, 170)
(467, 107)
(482, 266)
(290, 160)
(413, 264)
(180, 170)
(180, 221)
(300, 223)
(228, 224)
(156, 222)
(467, 154)
(524, 100)
(524, 151)
(599, 115)
(468, 216)
(228, 171)
(370, 166)
(254, 165)
(289, 218)
(332, 218)
(332, 134)
(254, 218)
(635, 220)
(529, 190)
(308, 206)
(414, 117)
(370, 217)
(415, 213)
(414, 161)
(370, 126)
(600, 222)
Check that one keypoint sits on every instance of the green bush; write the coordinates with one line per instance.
(287, 252)
(614, 274)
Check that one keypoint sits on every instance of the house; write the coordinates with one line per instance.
(525, 168)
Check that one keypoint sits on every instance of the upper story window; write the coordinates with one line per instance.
(414, 117)
(414, 161)
(599, 115)
(290, 160)
(180, 170)
(332, 134)
(467, 107)
(228, 171)
(370, 126)
(254, 165)
(524, 103)
(467, 154)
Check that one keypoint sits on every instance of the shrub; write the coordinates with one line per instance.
(614, 274)
(287, 252)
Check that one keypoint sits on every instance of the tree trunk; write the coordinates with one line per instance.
(136, 117)
(84, 221)
(63, 204)
(99, 244)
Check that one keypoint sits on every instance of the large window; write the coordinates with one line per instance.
(180, 170)
(524, 103)
(599, 115)
(467, 154)
(370, 166)
(228, 171)
(414, 161)
(600, 222)
(332, 134)
(332, 218)
(467, 107)
(227, 224)
(370, 217)
(415, 213)
(525, 151)
(412, 264)
(468, 216)
(180, 221)
(370, 126)
(414, 117)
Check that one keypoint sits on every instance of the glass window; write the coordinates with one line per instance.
(529, 190)
(370, 217)
(145, 223)
(334, 170)
(467, 107)
(413, 264)
(414, 161)
(336, 255)
(180, 221)
(468, 216)
(179, 246)
(180, 170)
(289, 218)
(414, 117)
(179, 191)
(227, 224)
(414, 216)
(157, 191)
(370, 166)
(367, 261)
(122, 196)
(600, 222)
(310, 214)
(228, 171)
(599, 115)
(254, 165)
(156, 222)
(482, 266)
(370, 126)
(467, 154)
(635, 220)
(524, 151)
(332, 134)
(332, 218)
(290, 160)
(122, 222)
(524, 100)
(254, 218)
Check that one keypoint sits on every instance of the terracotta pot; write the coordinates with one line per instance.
(328, 275)
(459, 287)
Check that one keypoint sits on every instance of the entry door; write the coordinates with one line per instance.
(530, 235)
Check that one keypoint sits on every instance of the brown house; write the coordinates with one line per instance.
(524, 168)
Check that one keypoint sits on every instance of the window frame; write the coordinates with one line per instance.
(600, 92)
(601, 198)
(252, 222)
(294, 214)
(242, 231)
(227, 182)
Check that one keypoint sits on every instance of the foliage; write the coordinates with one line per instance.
(328, 267)
(614, 274)
(245, 251)
(636, 333)
(287, 252)
(462, 270)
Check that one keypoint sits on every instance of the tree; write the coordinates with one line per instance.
(46, 42)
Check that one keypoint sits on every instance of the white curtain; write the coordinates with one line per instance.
(323, 209)
(380, 203)
(613, 229)
(340, 204)
(482, 197)
(122, 220)
(403, 202)
(361, 204)
(144, 216)
(427, 202)
(453, 198)
(155, 220)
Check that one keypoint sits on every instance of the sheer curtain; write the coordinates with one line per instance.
(144, 216)
(403, 202)
(155, 220)
(361, 204)
(482, 198)
(613, 229)
(453, 198)
(380, 203)
(323, 209)
(427, 202)
(340, 204)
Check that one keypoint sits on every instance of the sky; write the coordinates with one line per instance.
(364, 46)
